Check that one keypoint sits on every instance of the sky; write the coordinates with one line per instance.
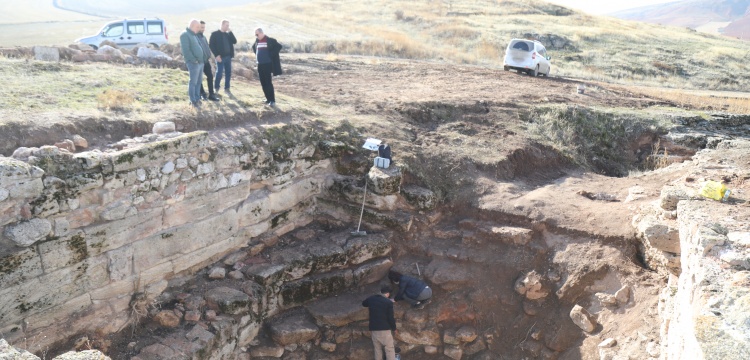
(605, 7)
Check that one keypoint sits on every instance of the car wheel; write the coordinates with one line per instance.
(506, 68)
(155, 46)
(94, 47)
(535, 72)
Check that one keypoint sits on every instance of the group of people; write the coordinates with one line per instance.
(198, 51)
(380, 306)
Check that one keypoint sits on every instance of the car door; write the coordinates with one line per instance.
(155, 32)
(113, 32)
(135, 34)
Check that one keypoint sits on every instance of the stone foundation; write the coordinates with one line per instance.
(83, 234)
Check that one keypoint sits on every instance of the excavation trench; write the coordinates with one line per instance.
(237, 244)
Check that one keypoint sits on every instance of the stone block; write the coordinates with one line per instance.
(449, 337)
(429, 337)
(228, 300)
(152, 154)
(293, 194)
(447, 274)
(384, 181)
(671, 196)
(183, 242)
(265, 274)
(466, 334)
(163, 127)
(217, 273)
(372, 272)
(659, 235)
(532, 286)
(582, 319)
(365, 248)
(419, 197)
(167, 318)
(453, 352)
(46, 53)
(26, 233)
(315, 257)
(207, 255)
(254, 209)
(340, 310)
(112, 235)
(306, 289)
(19, 267)
(296, 328)
(63, 252)
(266, 351)
(120, 263)
(511, 235)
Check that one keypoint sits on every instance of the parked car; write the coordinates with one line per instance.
(130, 32)
(527, 56)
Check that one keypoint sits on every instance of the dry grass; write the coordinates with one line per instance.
(737, 103)
(115, 100)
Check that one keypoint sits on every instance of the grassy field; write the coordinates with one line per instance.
(470, 32)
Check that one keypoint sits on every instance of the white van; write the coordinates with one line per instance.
(527, 56)
(130, 32)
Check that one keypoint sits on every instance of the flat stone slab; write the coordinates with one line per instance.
(341, 310)
(228, 300)
(293, 329)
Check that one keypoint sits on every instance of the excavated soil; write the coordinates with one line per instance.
(498, 178)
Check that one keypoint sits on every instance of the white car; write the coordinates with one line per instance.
(129, 33)
(527, 56)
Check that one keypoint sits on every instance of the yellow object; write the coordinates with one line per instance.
(713, 190)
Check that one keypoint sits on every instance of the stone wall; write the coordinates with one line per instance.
(705, 308)
(83, 233)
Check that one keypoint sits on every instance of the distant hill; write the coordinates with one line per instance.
(728, 17)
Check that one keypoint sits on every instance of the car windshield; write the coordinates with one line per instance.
(113, 30)
(522, 45)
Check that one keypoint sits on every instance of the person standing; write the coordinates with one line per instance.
(267, 51)
(222, 45)
(207, 70)
(382, 322)
(412, 290)
(194, 58)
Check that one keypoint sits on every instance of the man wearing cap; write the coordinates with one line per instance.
(382, 323)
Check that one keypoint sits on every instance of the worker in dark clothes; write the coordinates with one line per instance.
(412, 290)
(207, 69)
(266, 51)
(382, 323)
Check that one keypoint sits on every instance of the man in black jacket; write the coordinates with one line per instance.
(207, 69)
(267, 51)
(381, 323)
(222, 45)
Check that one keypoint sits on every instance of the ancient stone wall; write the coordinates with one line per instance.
(705, 248)
(83, 233)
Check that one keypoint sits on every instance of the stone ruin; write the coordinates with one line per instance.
(237, 244)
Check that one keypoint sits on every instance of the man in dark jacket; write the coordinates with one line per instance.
(222, 45)
(382, 323)
(194, 58)
(207, 70)
(267, 51)
(412, 290)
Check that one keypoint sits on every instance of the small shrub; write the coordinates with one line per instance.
(115, 100)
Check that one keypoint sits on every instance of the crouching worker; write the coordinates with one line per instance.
(381, 323)
(412, 290)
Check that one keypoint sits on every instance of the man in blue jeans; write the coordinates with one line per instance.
(194, 59)
(222, 45)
